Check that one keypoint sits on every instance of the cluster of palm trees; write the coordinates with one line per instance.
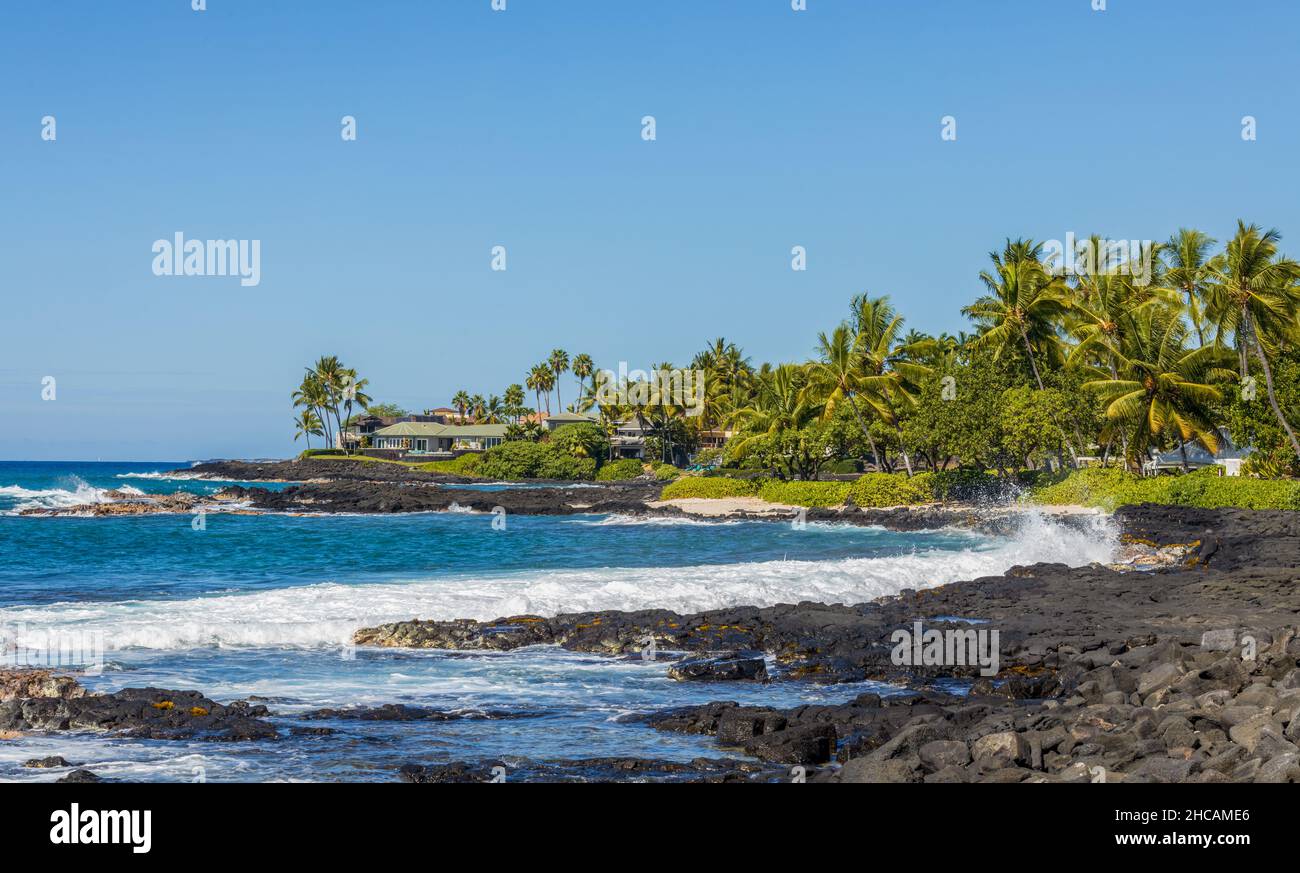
(544, 378)
(328, 394)
(1161, 354)
(1155, 353)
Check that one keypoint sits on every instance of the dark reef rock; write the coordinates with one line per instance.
(402, 712)
(594, 770)
(81, 777)
(729, 667)
(49, 763)
(146, 713)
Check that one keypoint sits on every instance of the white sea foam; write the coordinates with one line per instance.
(166, 476)
(326, 614)
(79, 493)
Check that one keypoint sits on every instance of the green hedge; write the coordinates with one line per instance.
(699, 486)
(464, 465)
(805, 493)
(520, 459)
(891, 489)
(615, 471)
(1109, 488)
(316, 453)
(666, 472)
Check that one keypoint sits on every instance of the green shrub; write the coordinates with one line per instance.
(800, 493)
(582, 440)
(616, 471)
(890, 489)
(666, 472)
(525, 460)
(463, 465)
(316, 453)
(713, 487)
(1203, 488)
(1091, 486)
(961, 484)
(845, 466)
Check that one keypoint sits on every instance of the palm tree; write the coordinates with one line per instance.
(1162, 389)
(535, 386)
(476, 407)
(312, 395)
(461, 402)
(1022, 308)
(546, 379)
(514, 400)
(308, 425)
(332, 375)
(493, 410)
(837, 376)
(582, 368)
(353, 393)
(889, 370)
(780, 403)
(559, 363)
(1254, 294)
(1191, 270)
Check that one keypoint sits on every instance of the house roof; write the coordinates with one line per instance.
(570, 416)
(1197, 454)
(433, 429)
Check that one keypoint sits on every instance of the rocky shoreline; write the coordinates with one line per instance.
(1186, 671)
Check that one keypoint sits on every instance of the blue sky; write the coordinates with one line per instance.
(522, 128)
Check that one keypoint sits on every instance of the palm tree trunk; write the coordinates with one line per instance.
(866, 432)
(1272, 398)
(1033, 365)
(907, 462)
(1029, 350)
(1182, 450)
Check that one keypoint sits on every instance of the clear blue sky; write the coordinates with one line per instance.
(522, 128)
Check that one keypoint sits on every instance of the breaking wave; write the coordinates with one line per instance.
(326, 614)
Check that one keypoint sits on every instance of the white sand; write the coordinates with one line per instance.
(714, 506)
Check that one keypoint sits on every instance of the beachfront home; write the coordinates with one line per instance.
(432, 440)
(559, 419)
(1229, 457)
(628, 440)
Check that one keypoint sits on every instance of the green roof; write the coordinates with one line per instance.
(473, 431)
(412, 428)
(570, 416)
(450, 431)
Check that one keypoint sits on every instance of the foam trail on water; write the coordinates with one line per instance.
(326, 614)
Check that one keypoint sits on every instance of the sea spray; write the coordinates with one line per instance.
(319, 615)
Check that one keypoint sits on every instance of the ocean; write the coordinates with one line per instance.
(264, 605)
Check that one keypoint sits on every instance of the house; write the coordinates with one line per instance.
(432, 440)
(447, 415)
(1229, 457)
(715, 438)
(559, 419)
(366, 426)
(628, 440)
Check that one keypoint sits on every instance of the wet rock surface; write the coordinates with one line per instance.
(142, 713)
(403, 712)
(1178, 674)
(592, 770)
